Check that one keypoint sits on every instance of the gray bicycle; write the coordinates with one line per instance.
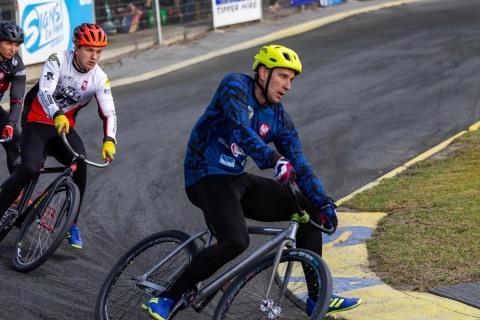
(272, 282)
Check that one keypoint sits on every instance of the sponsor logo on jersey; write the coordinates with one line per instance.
(84, 85)
(264, 129)
(107, 82)
(250, 112)
(236, 150)
(45, 98)
(49, 76)
(228, 161)
(54, 58)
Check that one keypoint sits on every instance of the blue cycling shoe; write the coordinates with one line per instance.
(159, 308)
(337, 304)
(74, 238)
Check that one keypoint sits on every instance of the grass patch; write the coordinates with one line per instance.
(431, 234)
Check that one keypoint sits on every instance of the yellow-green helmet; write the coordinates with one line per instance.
(276, 56)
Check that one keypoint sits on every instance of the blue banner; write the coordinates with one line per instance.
(327, 3)
(299, 2)
(48, 26)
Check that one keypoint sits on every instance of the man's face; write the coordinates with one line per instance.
(280, 82)
(87, 57)
(8, 49)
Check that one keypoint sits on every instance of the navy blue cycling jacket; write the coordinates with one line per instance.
(235, 126)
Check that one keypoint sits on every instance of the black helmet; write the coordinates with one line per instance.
(11, 32)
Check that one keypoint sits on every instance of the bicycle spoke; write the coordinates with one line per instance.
(246, 298)
(124, 292)
(41, 234)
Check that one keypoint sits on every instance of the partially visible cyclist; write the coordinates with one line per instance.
(244, 116)
(13, 76)
(68, 82)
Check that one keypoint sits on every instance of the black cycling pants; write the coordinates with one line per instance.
(12, 148)
(226, 201)
(36, 139)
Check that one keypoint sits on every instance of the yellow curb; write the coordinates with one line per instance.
(474, 127)
(385, 303)
(380, 301)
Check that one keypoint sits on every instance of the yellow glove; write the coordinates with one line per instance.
(61, 121)
(108, 150)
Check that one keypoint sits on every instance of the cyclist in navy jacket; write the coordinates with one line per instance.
(244, 116)
(13, 75)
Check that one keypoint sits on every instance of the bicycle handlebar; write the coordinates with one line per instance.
(98, 165)
(291, 188)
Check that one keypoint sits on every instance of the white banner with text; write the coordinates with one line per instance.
(228, 12)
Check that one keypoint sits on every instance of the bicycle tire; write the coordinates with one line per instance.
(121, 297)
(244, 296)
(43, 232)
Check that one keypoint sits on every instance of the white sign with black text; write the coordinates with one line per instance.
(228, 12)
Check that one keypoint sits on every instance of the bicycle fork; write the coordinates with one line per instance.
(269, 305)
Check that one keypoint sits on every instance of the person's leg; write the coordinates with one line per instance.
(267, 200)
(33, 143)
(64, 156)
(219, 198)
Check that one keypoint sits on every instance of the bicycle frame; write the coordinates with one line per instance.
(23, 208)
(282, 237)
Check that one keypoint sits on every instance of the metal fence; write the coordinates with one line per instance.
(123, 16)
(7, 10)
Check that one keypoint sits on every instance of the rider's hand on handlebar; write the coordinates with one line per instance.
(283, 170)
(328, 215)
(61, 121)
(108, 150)
(7, 132)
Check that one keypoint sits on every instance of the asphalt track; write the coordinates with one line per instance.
(65, 287)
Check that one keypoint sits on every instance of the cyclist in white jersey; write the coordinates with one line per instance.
(69, 80)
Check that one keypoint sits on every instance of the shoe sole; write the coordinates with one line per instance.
(147, 308)
(344, 309)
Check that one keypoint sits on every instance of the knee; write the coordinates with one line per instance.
(28, 171)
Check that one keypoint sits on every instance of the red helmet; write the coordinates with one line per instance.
(89, 34)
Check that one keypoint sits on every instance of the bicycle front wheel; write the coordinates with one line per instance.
(301, 274)
(43, 231)
(126, 287)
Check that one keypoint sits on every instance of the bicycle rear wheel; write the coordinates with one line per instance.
(124, 290)
(42, 232)
(245, 297)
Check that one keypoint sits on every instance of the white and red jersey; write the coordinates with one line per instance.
(62, 86)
